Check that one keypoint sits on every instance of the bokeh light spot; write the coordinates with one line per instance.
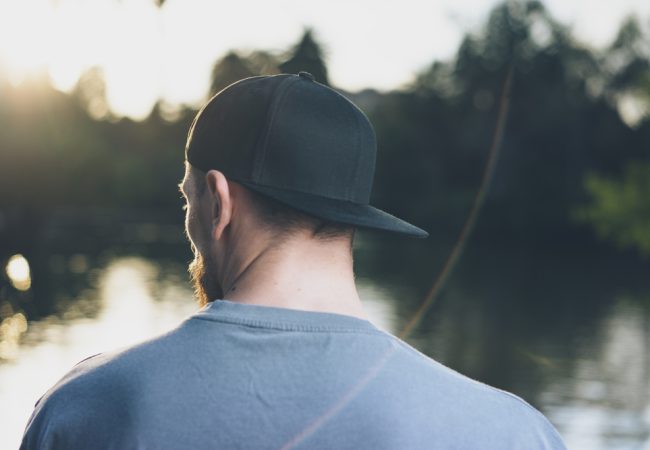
(11, 329)
(18, 272)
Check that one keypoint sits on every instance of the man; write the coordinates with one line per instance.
(278, 175)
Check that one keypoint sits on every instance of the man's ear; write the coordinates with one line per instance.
(221, 202)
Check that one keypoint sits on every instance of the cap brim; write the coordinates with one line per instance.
(339, 211)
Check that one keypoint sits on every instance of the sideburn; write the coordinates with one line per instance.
(206, 287)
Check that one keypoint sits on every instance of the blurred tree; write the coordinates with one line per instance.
(618, 205)
(627, 57)
(620, 208)
(433, 136)
(264, 63)
(627, 62)
(91, 92)
(234, 67)
(229, 69)
(307, 55)
(559, 128)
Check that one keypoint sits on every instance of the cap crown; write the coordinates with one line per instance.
(287, 132)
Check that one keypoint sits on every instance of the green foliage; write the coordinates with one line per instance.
(619, 209)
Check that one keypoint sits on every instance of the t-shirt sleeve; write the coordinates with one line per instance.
(37, 435)
(58, 414)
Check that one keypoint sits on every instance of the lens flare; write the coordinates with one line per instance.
(18, 272)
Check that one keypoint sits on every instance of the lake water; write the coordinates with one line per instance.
(566, 329)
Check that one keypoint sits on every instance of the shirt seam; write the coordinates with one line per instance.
(268, 325)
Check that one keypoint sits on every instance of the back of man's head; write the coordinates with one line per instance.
(306, 151)
(290, 165)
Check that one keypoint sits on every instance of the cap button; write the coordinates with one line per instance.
(306, 75)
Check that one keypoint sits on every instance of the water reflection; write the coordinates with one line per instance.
(610, 388)
(568, 332)
(136, 300)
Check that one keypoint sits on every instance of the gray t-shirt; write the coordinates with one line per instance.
(236, 376)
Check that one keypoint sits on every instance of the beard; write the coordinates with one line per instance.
(206, 286)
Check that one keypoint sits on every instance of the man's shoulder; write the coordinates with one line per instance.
(82, 400)
(474, 409)
(106, 372)
(95, 396)
(87, 385)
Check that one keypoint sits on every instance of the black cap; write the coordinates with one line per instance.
(297, 141)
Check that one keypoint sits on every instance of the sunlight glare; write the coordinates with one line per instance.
(132, 65)
(80, 42)
(18, 272)
(147, 53)
(25, 37)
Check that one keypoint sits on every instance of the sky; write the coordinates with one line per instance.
(147, 53)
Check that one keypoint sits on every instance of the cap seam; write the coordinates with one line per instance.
(277, 97)
(355, 174)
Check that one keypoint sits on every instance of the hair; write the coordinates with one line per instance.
(284, 219)
(287, 220)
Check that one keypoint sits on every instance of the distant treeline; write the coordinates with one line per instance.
(575, 155)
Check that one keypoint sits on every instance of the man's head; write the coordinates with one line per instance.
(282, 158)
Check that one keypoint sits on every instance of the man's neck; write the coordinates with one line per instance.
(307, 275)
